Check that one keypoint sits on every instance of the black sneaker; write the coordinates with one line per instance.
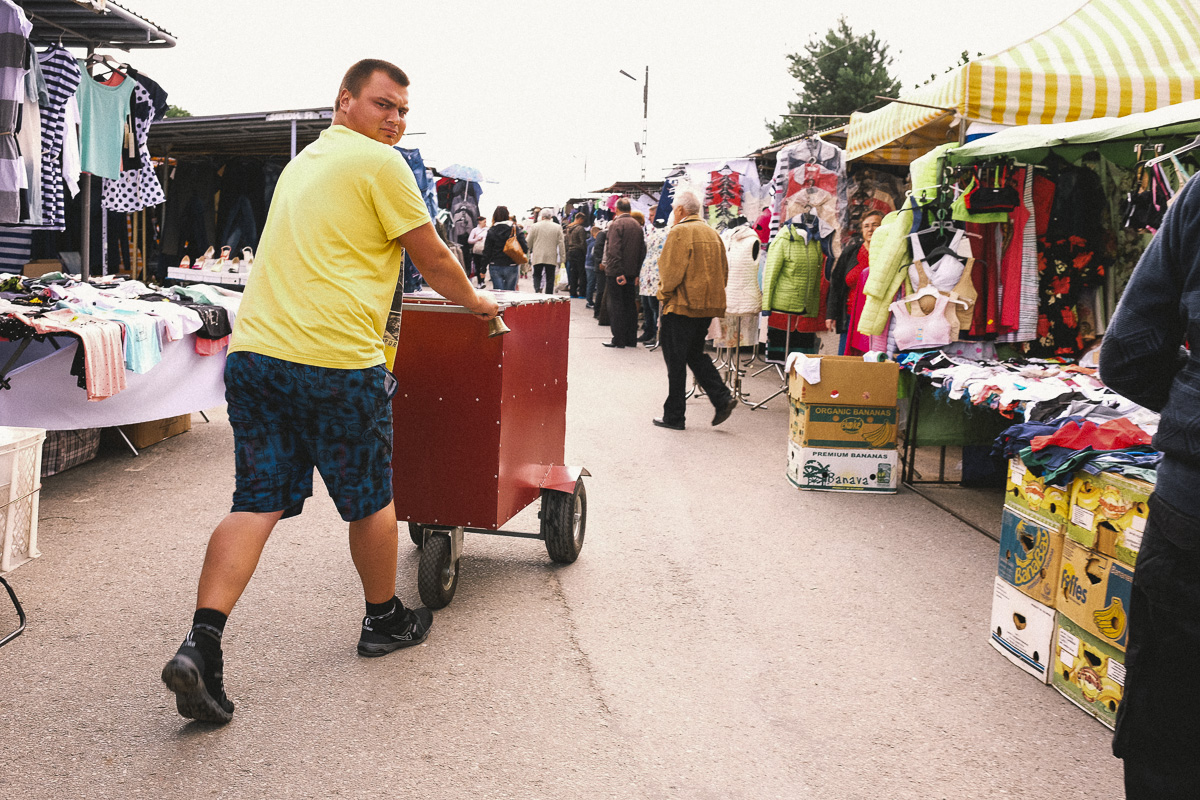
(199, 688)
(404, 627)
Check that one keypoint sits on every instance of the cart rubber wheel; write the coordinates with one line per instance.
(416, 532)
(437, 575)
(564, 520)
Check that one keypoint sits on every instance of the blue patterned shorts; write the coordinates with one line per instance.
(288, 418)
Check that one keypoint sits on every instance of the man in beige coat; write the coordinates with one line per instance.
(547, 249)
(693, 269)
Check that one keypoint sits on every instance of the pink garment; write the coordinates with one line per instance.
(1116, 434)
(103, 348)
(1010, 266)
(921, 332)
(856, 280)
(210, 347)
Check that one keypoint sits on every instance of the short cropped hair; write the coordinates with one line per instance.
(689, 201)
(357, 76)
(623, 205)
(546, 213)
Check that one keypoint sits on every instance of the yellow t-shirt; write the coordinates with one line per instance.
(327, 263)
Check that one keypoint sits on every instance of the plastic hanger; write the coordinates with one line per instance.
(931, 291)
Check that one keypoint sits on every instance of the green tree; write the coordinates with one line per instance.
(176, 111)
(838, 73)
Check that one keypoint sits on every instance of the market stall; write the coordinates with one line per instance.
(1110, 58)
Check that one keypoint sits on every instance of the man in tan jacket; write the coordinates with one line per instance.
(693, 269)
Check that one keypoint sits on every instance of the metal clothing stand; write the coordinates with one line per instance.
(778, 367)
(908, 469)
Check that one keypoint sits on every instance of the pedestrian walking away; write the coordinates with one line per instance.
(576, 240)
(547, 250)
(1143, 357)
(476, 239)
(624, 252)
(305, 380)
(693, 269)
(503, 269)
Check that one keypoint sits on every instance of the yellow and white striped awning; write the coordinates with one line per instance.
(1108, 59)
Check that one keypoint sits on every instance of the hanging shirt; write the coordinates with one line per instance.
(136, 188)
(103, 110)
(29, 138)
(61, 73)
(14, 44)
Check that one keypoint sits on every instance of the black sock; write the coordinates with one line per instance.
(382, 609)
(208, 626)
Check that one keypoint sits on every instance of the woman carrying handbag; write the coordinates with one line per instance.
(504, 250)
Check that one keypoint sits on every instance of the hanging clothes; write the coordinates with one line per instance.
(14, 48)
(104, 110)
(29, 138)
(62, 76)
(807, 152)
(742, 292)
(666, 200)
(137, 187)
(795, 263)
(723, 197)
(1067, 267)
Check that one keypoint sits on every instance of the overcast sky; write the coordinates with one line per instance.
(531, 94)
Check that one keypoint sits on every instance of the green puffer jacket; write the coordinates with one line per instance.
(888, 257)
(792, 279)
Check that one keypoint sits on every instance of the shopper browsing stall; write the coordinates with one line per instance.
(305, 378)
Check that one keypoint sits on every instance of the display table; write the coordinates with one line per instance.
(44, 393)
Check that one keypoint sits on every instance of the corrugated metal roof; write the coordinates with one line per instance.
(259, 134)
(92, 23)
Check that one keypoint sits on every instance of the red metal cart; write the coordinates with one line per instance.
(480, 425)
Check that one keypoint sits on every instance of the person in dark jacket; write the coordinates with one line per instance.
(1146, 357)
(597, 293)
(502, 268)
(624, 252)
(589, 265)
(576, 236)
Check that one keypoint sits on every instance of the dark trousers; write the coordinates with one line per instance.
(649, 316)
(576, 278)
(548, 270)
(622, 311)
(682, 341)
(1158, 721)
(479, 266)
(590, 289)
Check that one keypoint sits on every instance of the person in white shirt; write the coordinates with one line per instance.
(475, 240)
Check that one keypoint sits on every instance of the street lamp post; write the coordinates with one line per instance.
(645, 113)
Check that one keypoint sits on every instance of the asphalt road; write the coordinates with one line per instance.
(721, 636)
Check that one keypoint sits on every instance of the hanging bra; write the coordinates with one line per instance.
(946, 269)
(920, 332)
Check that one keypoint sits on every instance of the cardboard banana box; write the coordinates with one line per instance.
(1022, 629)
(866, 427)
(1094, 592)
(1028, 493)
(1108, 513)
(1030, 554)
(1088, 672)
(843, 469)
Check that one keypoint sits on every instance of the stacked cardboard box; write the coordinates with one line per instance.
(1063, 586)
(842, 432)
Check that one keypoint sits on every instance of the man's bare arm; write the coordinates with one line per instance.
(443, 273)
